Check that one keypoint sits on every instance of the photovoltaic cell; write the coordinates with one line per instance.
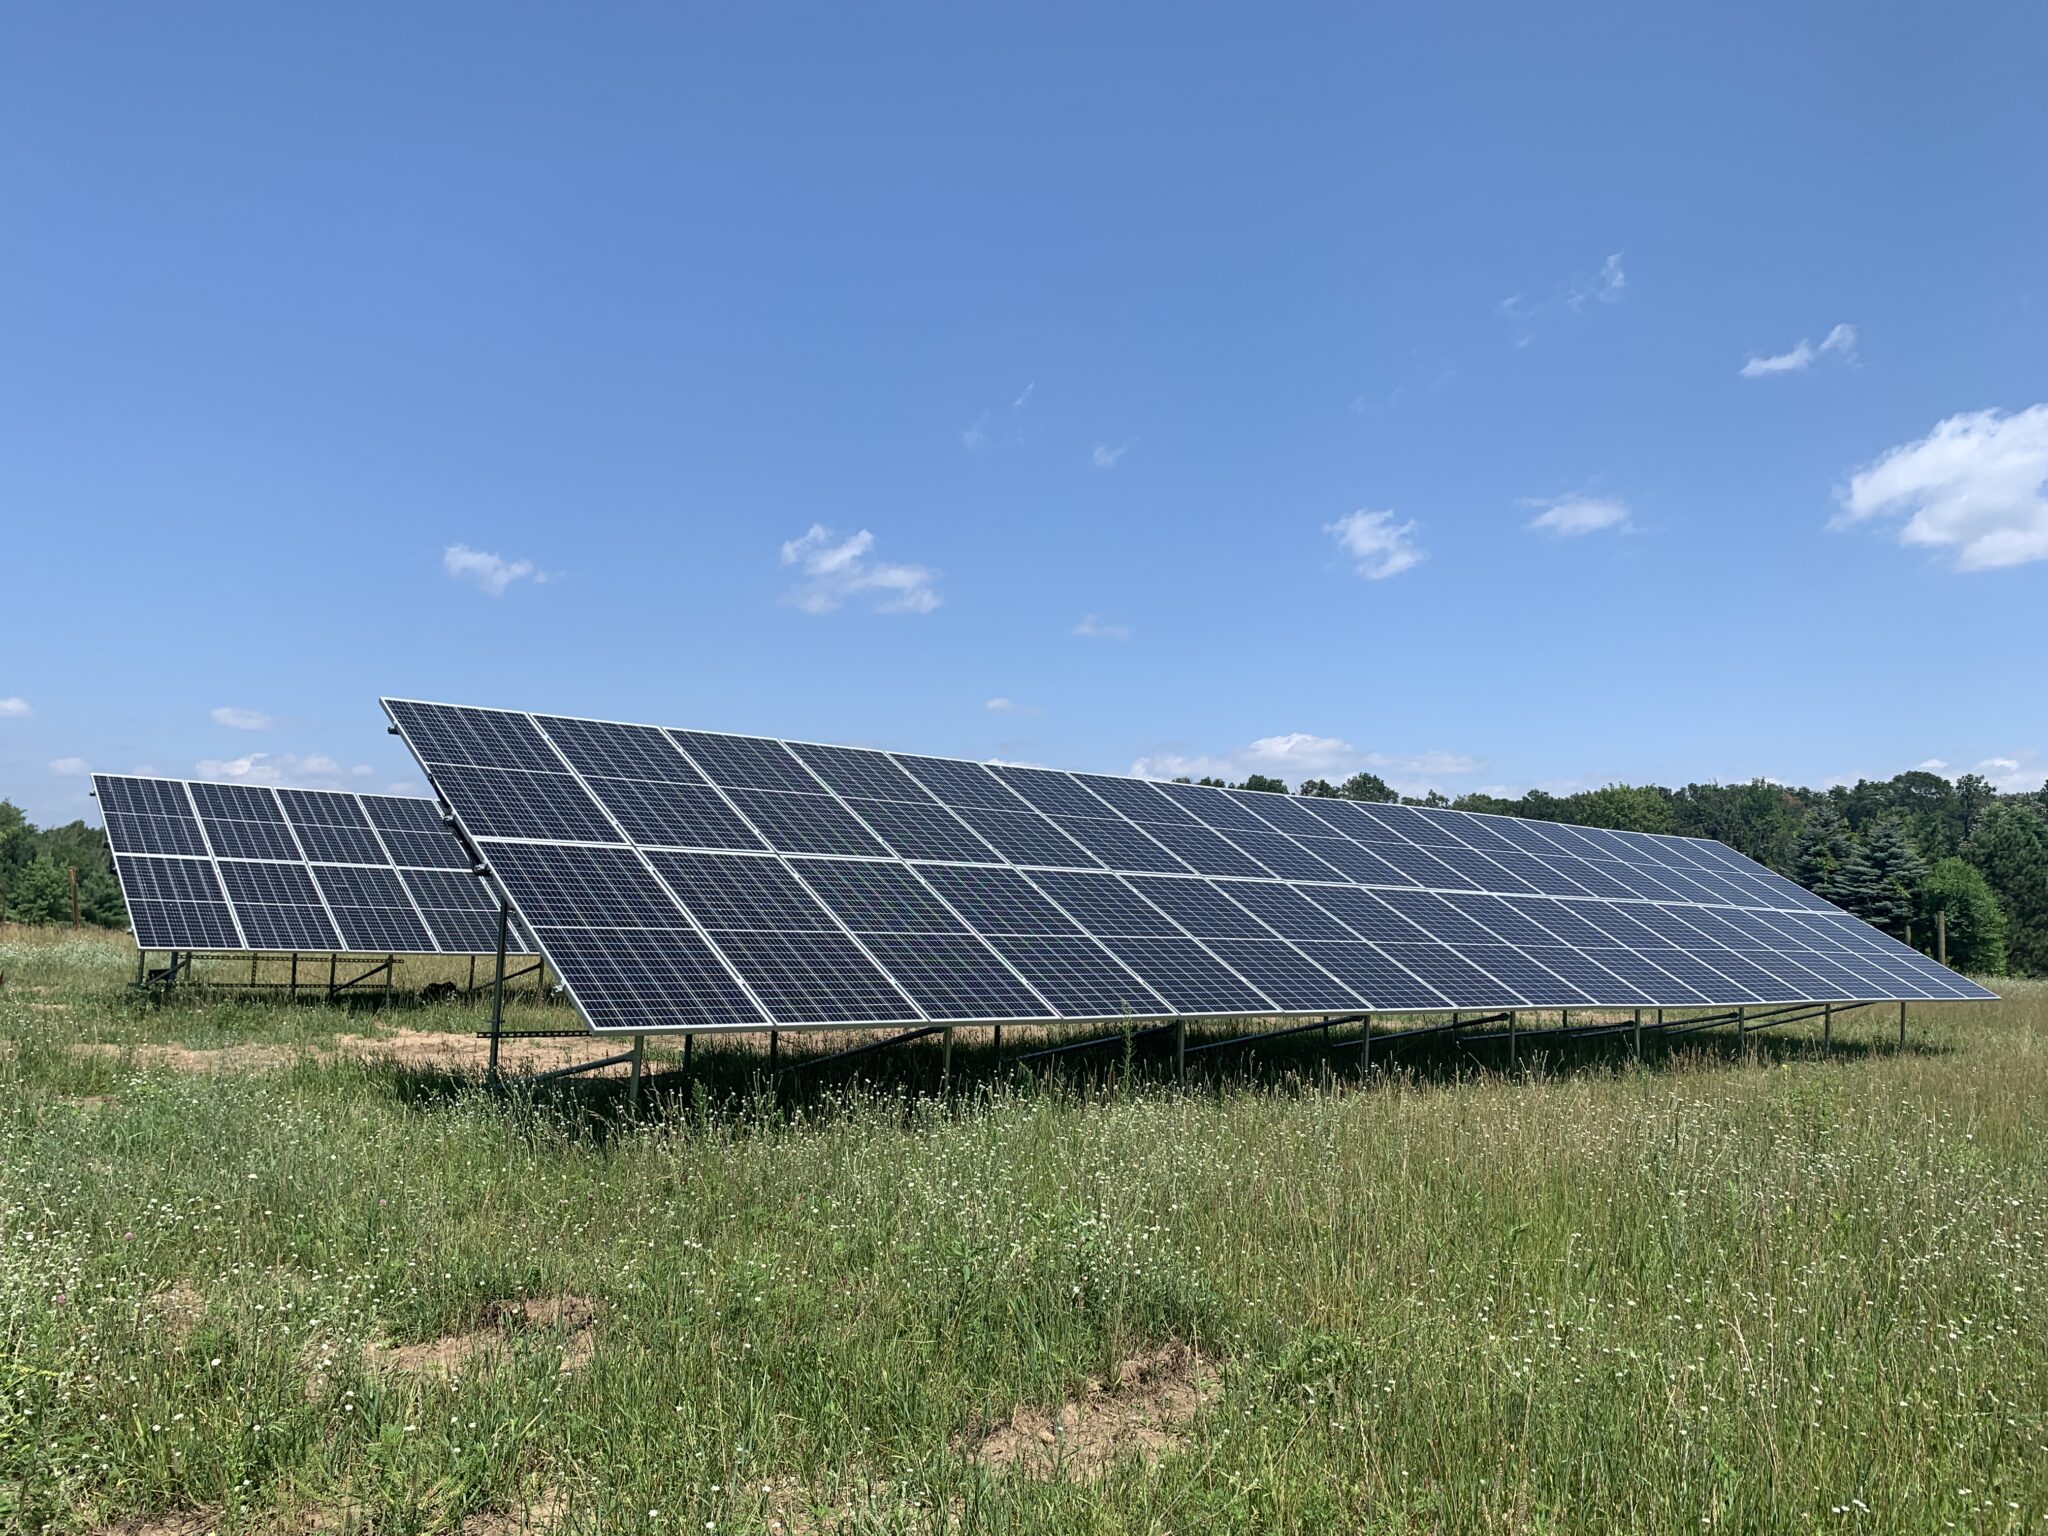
(319, 870)
(887, 888)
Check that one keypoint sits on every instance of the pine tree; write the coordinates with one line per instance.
(1822, 849)
(1878, 880)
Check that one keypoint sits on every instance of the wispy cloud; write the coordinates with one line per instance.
(1001, 706)
(835, 570)
(1606, 286)
(1569, 517)
(1298, 755)
(486, 571)
(70, 767)
(286, 770)
(1839, 343)
(1379, 546)
(985, 429)
(1095, 627)
(242, 719)
(1105, 457)
(15, 708)
(1973, 486)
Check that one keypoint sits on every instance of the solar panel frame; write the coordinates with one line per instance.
(341, 844)
(1088, 931)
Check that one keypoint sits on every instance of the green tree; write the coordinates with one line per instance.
(2010, 847)
(1621, 807)
(1265, 785)
(1820, 853)
(41, 892)
(1879, 878)
(1974, 926)
(1369, 787)
(1318, 789)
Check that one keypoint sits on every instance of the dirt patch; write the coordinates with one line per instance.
(420, 1049)
(178, 1308)
(184, 1522)
(542, 1514)
(1144, 1413)
(570, 1322)
(178, 1058)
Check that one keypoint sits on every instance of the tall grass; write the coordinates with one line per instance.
(1775, 1292)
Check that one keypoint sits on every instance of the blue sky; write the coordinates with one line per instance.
(1495, 399)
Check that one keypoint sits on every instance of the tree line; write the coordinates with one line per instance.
(1904, 854)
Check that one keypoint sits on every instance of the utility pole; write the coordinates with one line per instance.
(1940, 925)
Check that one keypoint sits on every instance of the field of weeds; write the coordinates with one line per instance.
(263, 1270)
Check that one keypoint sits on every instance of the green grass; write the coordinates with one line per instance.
(1738, 1288)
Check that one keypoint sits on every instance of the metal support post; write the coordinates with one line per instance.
(633, 1087)
(390, 963)
(498, 991)
(252, 970)
(1742, 1020)
(946, 1066)
(1514, 1052)
(1366, 1054)
(470, 990)
(1827, 1027)
(999, 1040)
(1902, 1023)
(1639, 1034)
(333, 960)
(774, 1048)
(688, 1041)
(1180, 1049)
(141, 966)
(292, 995)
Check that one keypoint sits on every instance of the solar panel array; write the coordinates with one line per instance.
(247, 867)
(680, 879)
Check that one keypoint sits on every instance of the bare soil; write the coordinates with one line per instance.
(1143, 1413)
(569, 1320)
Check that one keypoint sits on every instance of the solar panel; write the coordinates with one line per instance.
(682, 879)
(210, 867)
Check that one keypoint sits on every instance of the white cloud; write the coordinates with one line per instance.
(1001, 706)
(361, 771)
(286, 770)
(1298, 755)
(1024, 399)
(405, 787)
(1105, 457)
(1095, 627)
(490, 573)
(975, 433)
(1568, 517)
(1839, 343)
(14, 709)
(1380, 546)
(1974, 485)
(70, 767)
(836, 569)
(1932, 765)
(242, 719)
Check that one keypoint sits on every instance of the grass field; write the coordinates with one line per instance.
(314, 1287)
